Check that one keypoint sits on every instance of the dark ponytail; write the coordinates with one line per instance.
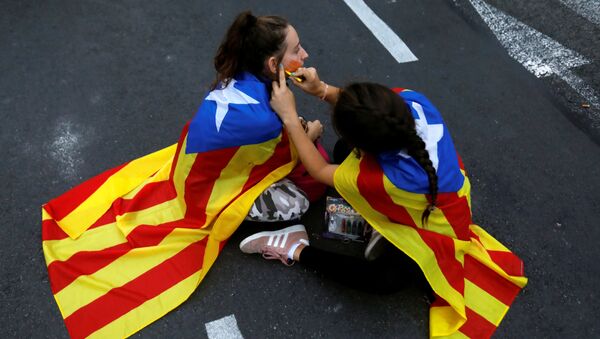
(373, 118)
(249, 41)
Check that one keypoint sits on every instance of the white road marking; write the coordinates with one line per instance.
(381, 31)
(540, 54)
(589, 9)
(224, 328)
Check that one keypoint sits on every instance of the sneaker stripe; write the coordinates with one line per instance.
(277, 238)
(285, 236)
(270, 240)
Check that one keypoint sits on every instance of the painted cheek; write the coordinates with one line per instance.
(293, 64)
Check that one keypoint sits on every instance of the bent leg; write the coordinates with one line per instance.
(282, 201)
(387, 274)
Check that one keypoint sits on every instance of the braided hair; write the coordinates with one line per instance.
(374, 119)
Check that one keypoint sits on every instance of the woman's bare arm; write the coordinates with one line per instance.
(284, 104)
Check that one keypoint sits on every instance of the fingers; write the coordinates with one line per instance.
(304, 123)
(295, 80)
(299, 71)
(281, 73)
(311, 84)
(309, 73)
(314, 130)
(303, 71)
(316, 125)
(299, 76)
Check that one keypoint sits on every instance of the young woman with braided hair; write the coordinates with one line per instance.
(370, 119)
(374, 119)
(402, 173)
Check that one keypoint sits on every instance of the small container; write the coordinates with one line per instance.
(343, 222)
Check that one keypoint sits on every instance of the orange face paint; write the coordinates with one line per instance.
(291, 67)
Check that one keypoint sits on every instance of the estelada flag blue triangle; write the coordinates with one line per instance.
(221, 120)
(404, 171)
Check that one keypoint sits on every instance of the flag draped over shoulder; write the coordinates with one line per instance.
(129, 245)
(474, 277)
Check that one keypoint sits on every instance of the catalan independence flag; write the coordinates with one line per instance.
(474, 277)
(131, 244)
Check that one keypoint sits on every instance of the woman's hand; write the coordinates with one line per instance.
(314, 130)
(311, 84)
(283, 101)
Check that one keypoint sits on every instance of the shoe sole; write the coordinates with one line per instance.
(295, 228)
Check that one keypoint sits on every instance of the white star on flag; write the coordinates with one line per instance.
(431, 135)
(224, 97)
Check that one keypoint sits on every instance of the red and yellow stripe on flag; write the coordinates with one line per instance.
(475, 278)
(128, 246)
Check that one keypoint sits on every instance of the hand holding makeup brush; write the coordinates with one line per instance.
(313, 85)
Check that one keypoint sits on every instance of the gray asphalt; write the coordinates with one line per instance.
(88, 85)
(570, 28)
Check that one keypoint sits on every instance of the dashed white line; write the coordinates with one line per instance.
(224, 328)
(540, 54)
(381, 31)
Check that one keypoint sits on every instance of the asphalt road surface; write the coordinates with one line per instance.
(88, 85)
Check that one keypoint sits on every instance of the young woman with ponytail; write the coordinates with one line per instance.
(249, 55)
(169, 213)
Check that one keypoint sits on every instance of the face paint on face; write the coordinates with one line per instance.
(291, 68)
(294, 55)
